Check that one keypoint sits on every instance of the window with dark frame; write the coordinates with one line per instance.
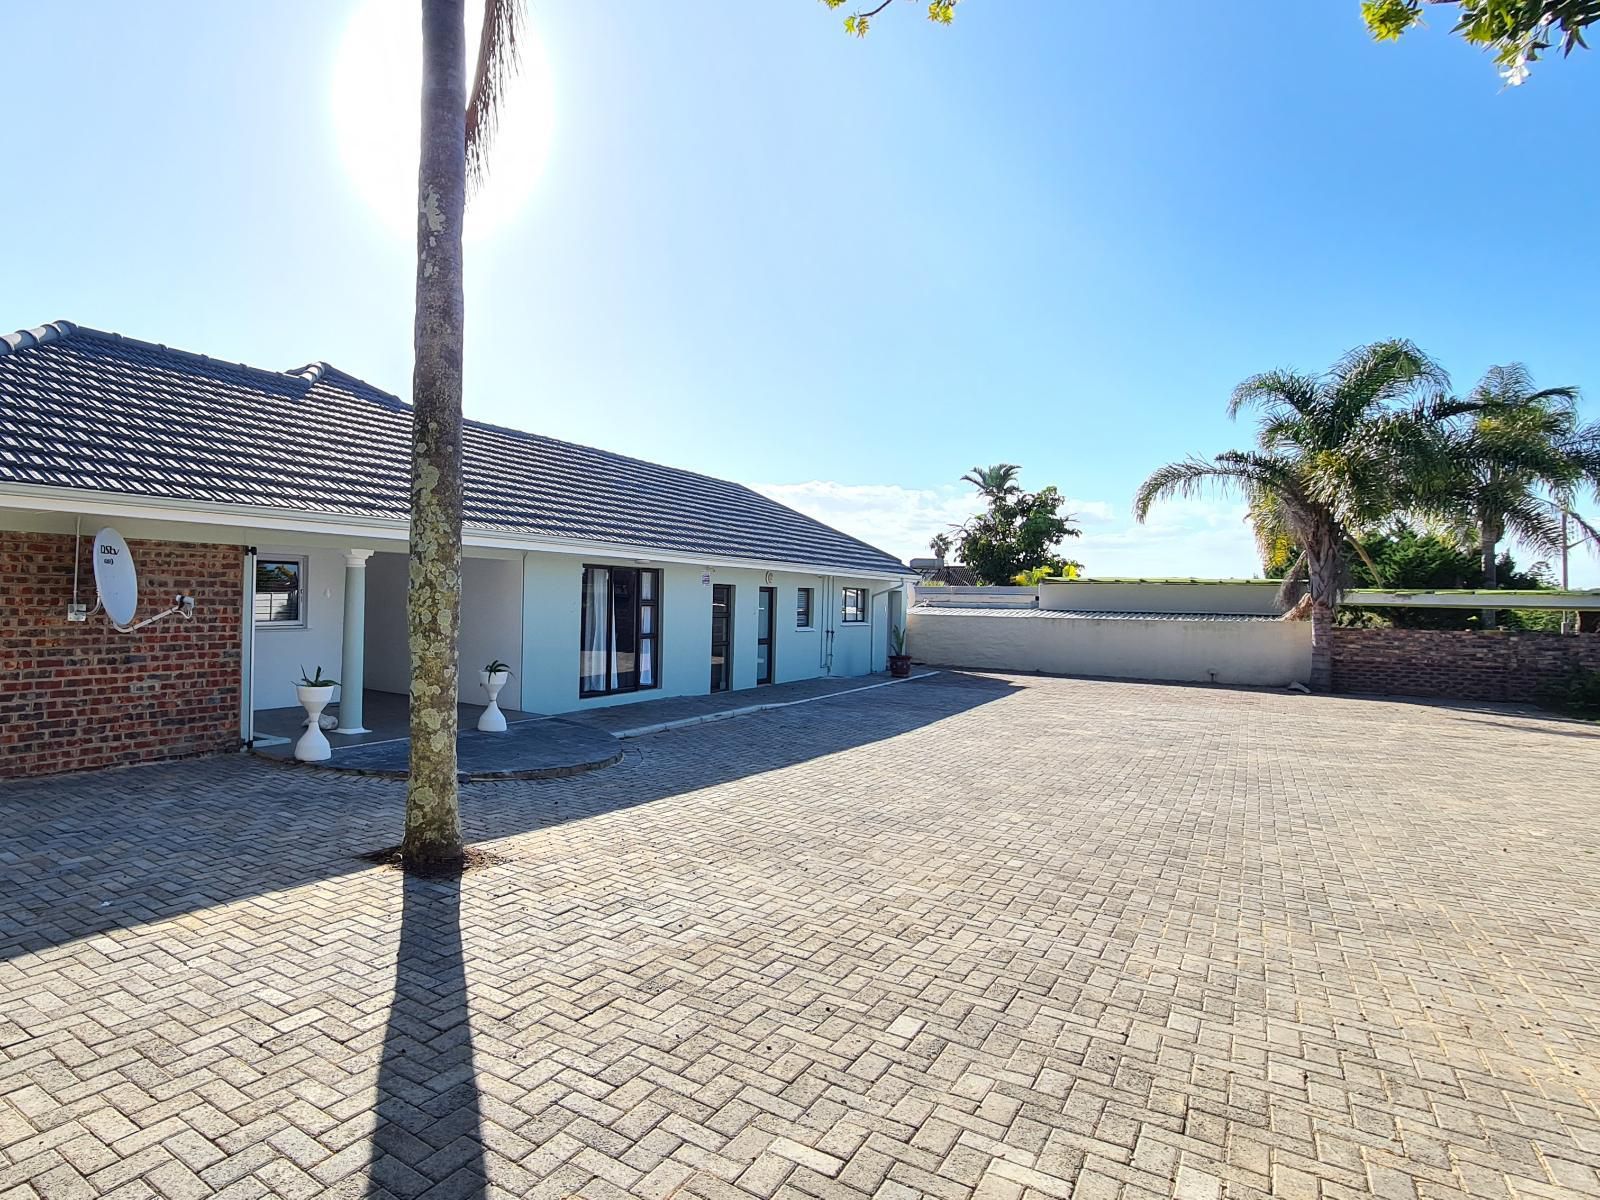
(620, 640)
(280, 592)
(854, 611)
(802, 608)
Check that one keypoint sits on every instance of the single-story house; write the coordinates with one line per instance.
(278, 500)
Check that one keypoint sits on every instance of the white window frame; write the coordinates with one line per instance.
(305, 591)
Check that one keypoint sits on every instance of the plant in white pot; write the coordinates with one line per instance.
(314, 692)
(493, 677)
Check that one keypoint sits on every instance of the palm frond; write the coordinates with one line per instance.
(496, 64)
(1501, 383)
(1560, 398)
(1590, 533)
(1234, 472)
(994, 481)
(1295, 581)
(1275, 544)
(1534, 523)
(1366, 560)
(1380, 373)
(1273, 389)
(1512, 384)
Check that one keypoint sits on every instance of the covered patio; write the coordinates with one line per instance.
(532, 746)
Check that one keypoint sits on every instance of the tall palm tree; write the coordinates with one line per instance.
(1335, 454)
(996, 482)
(455, 134)
(1518, 457)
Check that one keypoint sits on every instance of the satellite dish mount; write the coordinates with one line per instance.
(117, 581)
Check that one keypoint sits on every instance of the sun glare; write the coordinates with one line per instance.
(376, 113)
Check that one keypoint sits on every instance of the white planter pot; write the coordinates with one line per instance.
(492, 720)
(313, 745)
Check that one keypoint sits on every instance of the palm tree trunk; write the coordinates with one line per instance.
(1488, 540)
(433, 610)
(1322, 561)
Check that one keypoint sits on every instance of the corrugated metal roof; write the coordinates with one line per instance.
(947, 610)
(84, 409)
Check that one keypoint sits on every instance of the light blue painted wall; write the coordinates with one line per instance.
(552, 621)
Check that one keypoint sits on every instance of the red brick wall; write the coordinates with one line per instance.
(75, 696)
(1458, 665)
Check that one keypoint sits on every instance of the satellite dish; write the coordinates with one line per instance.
(114, 576)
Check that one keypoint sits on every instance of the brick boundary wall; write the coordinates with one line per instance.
(77, 696)
(1460, 665)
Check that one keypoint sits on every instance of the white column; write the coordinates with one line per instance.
(353, 663)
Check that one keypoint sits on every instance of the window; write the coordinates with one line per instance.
(855, 606)
(620, 650)
(802, 608)
(280, 592)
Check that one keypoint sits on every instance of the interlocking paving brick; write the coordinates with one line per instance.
(968, 936)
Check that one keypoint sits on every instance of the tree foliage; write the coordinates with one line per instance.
(1403, 557)
(1516, 31)
(1335, 455)
(940, 12)
(1516, 459)
(1070, 569)
(1018, 532)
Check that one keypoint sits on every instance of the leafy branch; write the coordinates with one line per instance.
(940, 12)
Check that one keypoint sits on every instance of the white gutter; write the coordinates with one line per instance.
(201, 512)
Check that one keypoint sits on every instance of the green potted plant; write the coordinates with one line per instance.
(899, 660)
(493, 677)
(313, 692)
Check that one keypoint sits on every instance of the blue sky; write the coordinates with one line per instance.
(843, 271)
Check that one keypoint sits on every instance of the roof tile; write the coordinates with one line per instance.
(96, 411)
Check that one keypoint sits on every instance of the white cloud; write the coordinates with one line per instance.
(1181, 537)
(893, 518)
(1090, 512)
(1200, 538)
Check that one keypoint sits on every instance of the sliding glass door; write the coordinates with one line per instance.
(621, 631)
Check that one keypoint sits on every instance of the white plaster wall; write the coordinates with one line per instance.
(978, 597)
(1086, 595)
(491, 626)
(280, 653)
(1264, 653)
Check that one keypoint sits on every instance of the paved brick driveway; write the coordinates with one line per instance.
(967, 935)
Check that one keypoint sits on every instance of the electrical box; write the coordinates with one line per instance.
(77, 612)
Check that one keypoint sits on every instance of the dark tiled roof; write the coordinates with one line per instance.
(91, 410)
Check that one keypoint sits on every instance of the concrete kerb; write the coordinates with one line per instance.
(751, 709)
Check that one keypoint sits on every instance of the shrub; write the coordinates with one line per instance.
(1579, 694)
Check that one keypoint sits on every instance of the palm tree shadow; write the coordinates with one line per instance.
(428, 1129)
